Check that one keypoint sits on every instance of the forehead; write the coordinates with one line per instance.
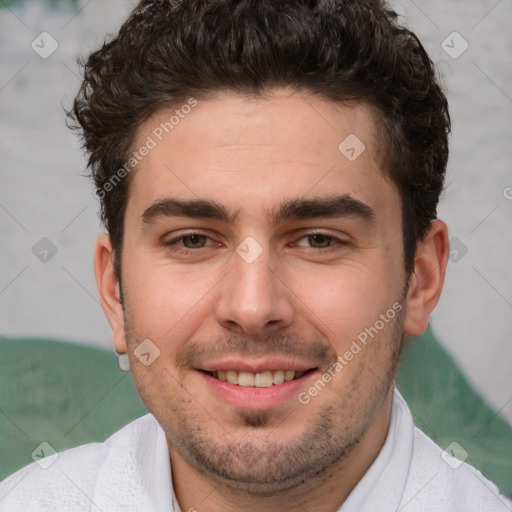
(250, 153)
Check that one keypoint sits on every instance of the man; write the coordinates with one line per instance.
(269, 174)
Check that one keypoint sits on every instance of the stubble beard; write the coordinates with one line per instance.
(259, 465)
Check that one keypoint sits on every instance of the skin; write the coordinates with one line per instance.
(303, 298)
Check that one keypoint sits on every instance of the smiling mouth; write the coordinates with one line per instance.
(264, 379)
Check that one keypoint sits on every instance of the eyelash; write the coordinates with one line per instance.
(335, 242)
(173, 243)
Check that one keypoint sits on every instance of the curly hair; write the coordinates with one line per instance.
(341, 50)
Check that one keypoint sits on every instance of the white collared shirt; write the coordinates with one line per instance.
(130, 472)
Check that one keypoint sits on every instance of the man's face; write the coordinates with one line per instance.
(256, 250)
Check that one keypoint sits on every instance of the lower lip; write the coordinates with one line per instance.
(253, 398)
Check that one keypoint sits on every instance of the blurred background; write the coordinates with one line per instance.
(48, 214)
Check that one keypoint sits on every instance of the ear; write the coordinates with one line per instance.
(108, 287)
(427, 278)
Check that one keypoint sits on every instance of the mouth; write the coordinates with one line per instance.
(256, 384)
(264, 379)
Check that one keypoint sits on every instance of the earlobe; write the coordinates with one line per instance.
(427, 278)
(109, 290)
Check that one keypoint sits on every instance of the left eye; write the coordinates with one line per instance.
(189, 241)
(194, 241)
(318, 241)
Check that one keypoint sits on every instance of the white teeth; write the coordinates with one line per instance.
(246, 379)
(264, 379)
(289, 375)
(278, 377)
(232, 377)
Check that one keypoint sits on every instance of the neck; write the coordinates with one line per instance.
(325, 493)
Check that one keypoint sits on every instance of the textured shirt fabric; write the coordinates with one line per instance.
(131, 471)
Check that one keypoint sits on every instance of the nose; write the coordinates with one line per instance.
(254, 298)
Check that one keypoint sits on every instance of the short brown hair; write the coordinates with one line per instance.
(342, 50)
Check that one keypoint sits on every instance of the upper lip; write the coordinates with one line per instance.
(255, 366)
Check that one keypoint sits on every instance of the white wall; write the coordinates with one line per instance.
(42, 192)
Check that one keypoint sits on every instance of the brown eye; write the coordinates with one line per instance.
(194, 241)
(319, 241)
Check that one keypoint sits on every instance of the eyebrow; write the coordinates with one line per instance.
(196, 208)
(331, 206)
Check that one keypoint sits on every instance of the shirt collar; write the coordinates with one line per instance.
(382, 486)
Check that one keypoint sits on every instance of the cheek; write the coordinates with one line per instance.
(166, 301)
(342, 302)
(160, 390)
